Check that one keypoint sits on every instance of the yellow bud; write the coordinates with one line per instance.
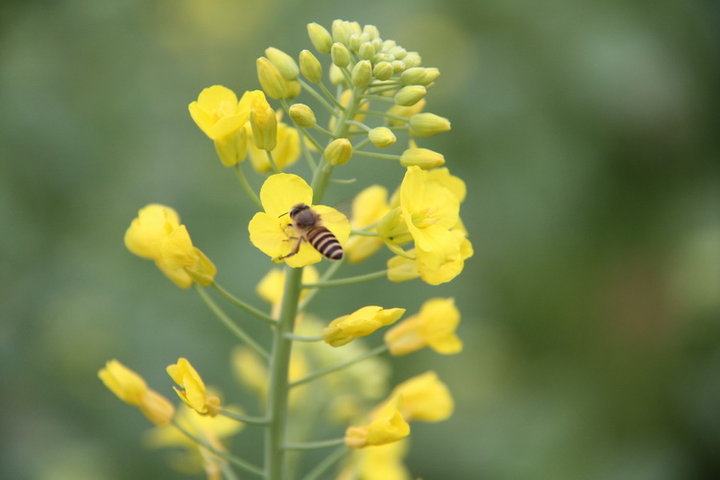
(398, 52)
(292, 88)
(310, 66)
(264, 127)
(382, 137)
(320, 37)
(335, 75)
(419, 76)
(421, 157)
(362, 74)
(412, 59)
(283, 62)
(340, 55)
(428, 124)
(354, 42)
(383, 70)
(341, 31)
(366, 51)
(339, 151)
(371, 31)
(392, 227)
(398, 66)
(410, 95)
(271, 80)
(302, 115)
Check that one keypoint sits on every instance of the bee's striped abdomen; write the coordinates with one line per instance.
(325, 242)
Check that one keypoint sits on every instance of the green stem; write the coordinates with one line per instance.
(315, 143)
(322, 130)
(245, 306)
(271, 160)
(244, 418)
(347, 281)
(328, 462)
(359, 124)
(232, 326)
(301, 338)
(343, 181)
(386, 115)
(384, 156)
(328, 94)
(324, 371)
(243, 464)
(379, 97)
(246, 186)
(315, 445)
(306, 86)
(361, 143)
(327, 275)
(279, 366)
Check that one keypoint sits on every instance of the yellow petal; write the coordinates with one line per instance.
(147, 232)
(283, 191)
(267, 235)
(334, 221)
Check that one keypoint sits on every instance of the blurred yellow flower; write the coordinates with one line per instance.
(156, 234)
(192, 389)
(383, 462)
(285, 152)
(433, 326)
(368, 207)
(269, 230)
(251, 371)
(425, 398)
(386, 426)
(130, 387)
(360, 323)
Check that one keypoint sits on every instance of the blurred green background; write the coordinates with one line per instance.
(587, 133)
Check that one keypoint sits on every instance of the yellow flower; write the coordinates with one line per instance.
(368, 208)
(378, 463)
(285, 153)
(130, 387)
(217, 112)
(269, 230)
(434, 326)
(360, 323)
(425, 398)
(407, 112)
(251, 371)
(192, 388)
(386, 426)
(272, 285)
(156, 234)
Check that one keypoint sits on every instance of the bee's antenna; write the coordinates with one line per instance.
(283, 214)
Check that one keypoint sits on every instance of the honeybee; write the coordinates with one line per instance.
(308, 226)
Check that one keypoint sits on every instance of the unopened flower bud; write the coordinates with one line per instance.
(310, 66)
(428, 124)
(398, 66)
(270, 78)
(410, 95)
(419, 76)
(421, 157)
(340, 31)
(340, 55)
(382, 70)
(392, 227)
(362, 74)
(366, 51)
(372, 31)
(232, 149)
(292, 88)
(264, 128)
(339, 151)
(382, 137)
(398, 52)
(354, 42)
(320, 37)
(412, 59)
(389, 44)
(283, 62)
(335, 74)
(302, 115)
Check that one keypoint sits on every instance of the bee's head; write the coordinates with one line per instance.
(300, 207)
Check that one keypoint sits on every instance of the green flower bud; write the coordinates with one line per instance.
(292, 89)
(372, 31)
(302, 115)
(382, 71)
(320, 37)
(339, 151)
(419, 76)
(387, 45)
(264, 127)
(366, 51)
(410, 95)
(398, 66)
(382, 137)
(335, 75)
(412, 59)
(362, 74)
(377, 44)
(421, 157)
(398, 52)
(340, 55)
(270, 78)
(428, 124)
(354, 42)
(393, 228)
(340, 31)
(283, 62)
(310, 66)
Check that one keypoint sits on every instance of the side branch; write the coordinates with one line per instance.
(309, 378)
(347, 281)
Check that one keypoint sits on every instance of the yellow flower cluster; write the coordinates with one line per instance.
(157, 234)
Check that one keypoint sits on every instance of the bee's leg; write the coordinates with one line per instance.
(295, 250)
